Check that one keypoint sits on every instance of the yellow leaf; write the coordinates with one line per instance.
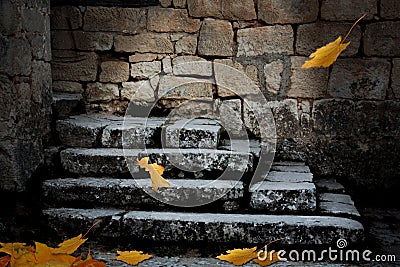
(132, 257)
(70, 246)
(21, 254)
(326, 55)
(270, 259)
(239, 256)
(45, 254)
(155, 171)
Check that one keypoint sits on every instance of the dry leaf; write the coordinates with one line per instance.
(268, 260)
(45, 254)
(132, 257)
(326, 55)
(21, 254)
(70, 246)
(4, 261)
(239, 256)
(155, 171)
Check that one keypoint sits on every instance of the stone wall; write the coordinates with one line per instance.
(343, 120)
(25, 89)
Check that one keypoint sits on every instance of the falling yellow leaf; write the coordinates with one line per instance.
(70, 246)
(132, 257)
(326, 55)
(155, 171)
(270, 259)
(239, 256)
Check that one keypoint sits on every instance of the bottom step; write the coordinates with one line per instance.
(206, 227)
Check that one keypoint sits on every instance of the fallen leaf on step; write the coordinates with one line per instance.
(239, 256)
(70, 246)
(155, 171)
(132, 257)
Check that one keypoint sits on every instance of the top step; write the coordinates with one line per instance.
(134, 132)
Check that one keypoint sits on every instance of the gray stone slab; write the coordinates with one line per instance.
(337, 208)
(339, 198)
(110, 192)
(132, 132)
(201, 133)
(283, 197)
(246, 228)
(102, 161)
(291, 168)
(290, 177)
(65, 105)
(251, 145)
(288, 163)
(329, 185)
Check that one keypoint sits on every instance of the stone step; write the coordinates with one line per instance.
(206, 228)
(337, 204)
(65, 105)
(193, 133)
(108, 131)
(111, 161)
(138, 193)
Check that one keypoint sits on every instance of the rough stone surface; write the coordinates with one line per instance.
(283, 197)
(273, 76)
(187, 45)
(143, 70)
(139, 92)
(329, 185)
(246, 228)
(191, 66)
(265, 40)
(395, 78)
(290, 168)
(298, 11)
(65, 105)
(390, 9)
(15, 56)
(171, 20)
(360, 79)
(184, 87)
(338, 10)
(74, 66)
(179, 3)
(145, 57)
(289, 177)
(196, 133)
(216, 38)
(338, 208)
(115, 19)
(86, 41)
(101, 92)
(307, 83)
(382, 39)
(67, 87)
(231, 118)
(286, 118)
(222, 9)
(65, 18)
(144, 43)
(339, 198)
(128, 193)
(312, 36)
(114, 71)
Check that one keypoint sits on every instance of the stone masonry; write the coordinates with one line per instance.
(343, 120)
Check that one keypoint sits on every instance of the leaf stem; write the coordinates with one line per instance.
(352, 26)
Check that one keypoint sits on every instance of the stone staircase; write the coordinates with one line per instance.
(100, 180)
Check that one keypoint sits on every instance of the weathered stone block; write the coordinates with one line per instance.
(138, 57)
(307, 83)
(167, 65)
(86, 41)
(395, 78)
(67, 87)
(101, 92)
(382, 39)
(9, 18)
(273, 76)
(115, 19)
(114, 71)
(360, 78)
(286, 118)
(283, 197)
(65, 105)
(216, 38)
(65, 18)
(390, 9)
(191, 66)
(141, 91)
(298, 11)
(339, 10)
(143, 43)
(222, 9)
(193, 108)
(184, 87)
(289, 177)
(329, 186)
(339, 198)
(333, 117)
(231, 118)
(74, 66)
(276, 39)
(15, 56)
(186, 45)
(33, 21)
(290, 168)
(179, 3)
(192, 133)
(143, 70)
(312, 36)
(171, 20)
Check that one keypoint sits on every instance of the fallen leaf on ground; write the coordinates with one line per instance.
(20, 254)
(70, 246)
(239, 256)
(155, 171)
(132, 257)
